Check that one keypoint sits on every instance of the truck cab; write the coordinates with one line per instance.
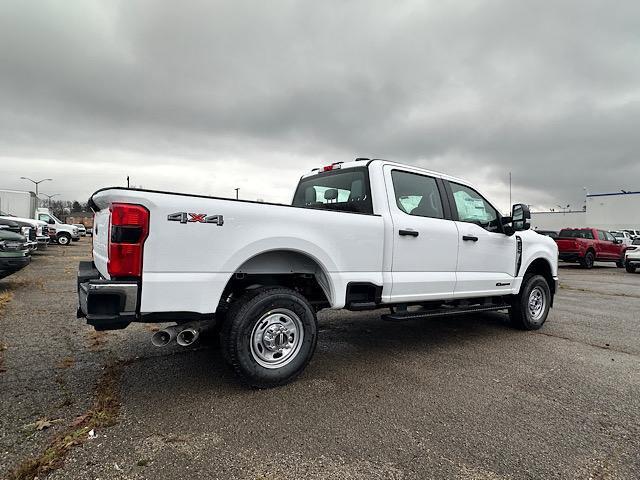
(64, 233)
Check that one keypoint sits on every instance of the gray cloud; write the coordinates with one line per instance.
(253, 93)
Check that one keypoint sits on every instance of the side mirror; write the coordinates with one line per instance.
(51, 222)
(521, 217)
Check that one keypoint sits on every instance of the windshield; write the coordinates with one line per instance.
(576, 234)
(341, 190)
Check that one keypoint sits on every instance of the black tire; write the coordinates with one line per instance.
(630, 268)
(242, 326)
(620, 263)
(588, 260)
(522, 316)
(64, 239)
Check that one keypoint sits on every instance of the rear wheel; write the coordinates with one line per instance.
(64, 238)
(269, 336)
(588, 260)
(529, 309)
(620, 263)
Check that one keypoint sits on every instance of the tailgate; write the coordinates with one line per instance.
(101, 240)
(567, 244)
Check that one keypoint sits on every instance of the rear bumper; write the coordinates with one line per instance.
(569, 256)
(106, 304)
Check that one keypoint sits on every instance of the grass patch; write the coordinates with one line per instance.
(97, 340)
(5, 298)
(103, 413)
(67, 362)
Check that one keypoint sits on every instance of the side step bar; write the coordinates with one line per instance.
(442, 312)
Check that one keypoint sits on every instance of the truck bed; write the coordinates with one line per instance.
(187, 265)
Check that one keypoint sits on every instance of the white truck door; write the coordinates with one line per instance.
(425, 244)
(486, 256)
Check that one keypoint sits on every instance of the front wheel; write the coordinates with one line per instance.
(529, 309)
(630, 268)
(64, 239)
(269, 336)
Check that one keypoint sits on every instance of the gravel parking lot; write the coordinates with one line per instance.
(466, 397)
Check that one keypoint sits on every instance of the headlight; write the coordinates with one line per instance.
(39, 230)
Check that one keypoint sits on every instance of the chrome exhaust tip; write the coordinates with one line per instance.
(164, 337)
(187, 336)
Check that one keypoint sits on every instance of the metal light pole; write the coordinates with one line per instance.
(36, 183)
(50, 197)
(237, 189)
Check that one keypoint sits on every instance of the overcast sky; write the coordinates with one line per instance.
(205, 96)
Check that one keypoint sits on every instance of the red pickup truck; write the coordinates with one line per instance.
(588, 245)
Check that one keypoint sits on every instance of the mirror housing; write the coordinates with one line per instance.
(508, 230)
(520, 217)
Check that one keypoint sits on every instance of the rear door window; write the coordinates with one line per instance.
(342, 190)
(417, 194)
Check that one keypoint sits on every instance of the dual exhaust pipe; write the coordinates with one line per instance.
(184, 335)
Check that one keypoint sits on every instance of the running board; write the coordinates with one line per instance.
(441, 312)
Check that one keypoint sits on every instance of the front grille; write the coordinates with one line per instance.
(32, 234)
(12, 246)
(45, 230)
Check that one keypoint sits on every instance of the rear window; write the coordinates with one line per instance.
(576, 234)
(340, 190)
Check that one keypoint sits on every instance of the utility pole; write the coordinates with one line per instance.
(237, 189)
(36, 183)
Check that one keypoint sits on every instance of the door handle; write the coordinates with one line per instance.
(410, 233)
(469, 238)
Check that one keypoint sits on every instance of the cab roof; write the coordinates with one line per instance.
(366, 162)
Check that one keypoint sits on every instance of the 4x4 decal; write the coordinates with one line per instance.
(184, 217)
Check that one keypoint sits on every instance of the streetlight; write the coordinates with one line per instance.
(50, 197)
(36, 183)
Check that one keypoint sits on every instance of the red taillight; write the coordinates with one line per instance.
(333, 166)
(128, 229)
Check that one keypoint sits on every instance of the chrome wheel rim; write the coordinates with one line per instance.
(63, 240)
(276, 338)
(537, 301)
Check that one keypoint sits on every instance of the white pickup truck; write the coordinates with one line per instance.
(363, 235)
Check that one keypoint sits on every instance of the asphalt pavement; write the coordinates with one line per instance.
(457, 398)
